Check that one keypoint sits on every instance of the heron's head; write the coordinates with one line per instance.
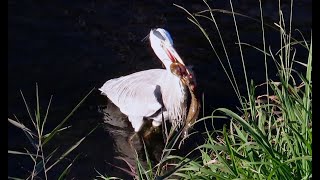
(162, 44)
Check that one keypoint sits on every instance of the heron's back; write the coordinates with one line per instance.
(137, 94)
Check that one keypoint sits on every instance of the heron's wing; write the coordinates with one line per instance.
(137, 94)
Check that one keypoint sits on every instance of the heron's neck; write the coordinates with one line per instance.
(167, 64)
(174, 86)
(174, 95)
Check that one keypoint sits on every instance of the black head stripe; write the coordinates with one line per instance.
(158, 34)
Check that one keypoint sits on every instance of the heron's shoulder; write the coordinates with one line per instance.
(148, 72)
(147, 76)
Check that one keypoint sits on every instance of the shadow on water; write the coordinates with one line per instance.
(68, 48)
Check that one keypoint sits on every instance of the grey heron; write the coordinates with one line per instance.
(156, 93)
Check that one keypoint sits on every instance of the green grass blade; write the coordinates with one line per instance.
(55, 130)
(46, 116)
(70, 149)
(20, 153)
(230, 150)
(14, 178)
(37, 114)
(67, 169)
(28, 110)
(30, 135)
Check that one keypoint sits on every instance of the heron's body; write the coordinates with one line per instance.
(154, 93)
(147, 94)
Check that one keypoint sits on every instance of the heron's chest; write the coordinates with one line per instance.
(174, 92)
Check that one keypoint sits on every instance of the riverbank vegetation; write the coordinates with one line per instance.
(270, 137)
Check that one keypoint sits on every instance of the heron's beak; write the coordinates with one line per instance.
(173, 55)
(179, 67)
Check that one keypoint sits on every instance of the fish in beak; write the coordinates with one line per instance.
(179, 69)
(186, 75)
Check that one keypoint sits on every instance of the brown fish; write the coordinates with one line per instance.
(188, 79)
(194, 107)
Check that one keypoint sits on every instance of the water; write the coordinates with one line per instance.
(69, 48)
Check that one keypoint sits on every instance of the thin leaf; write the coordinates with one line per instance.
(55, 130)
(20, 153)
(66, 170)
(70, 149)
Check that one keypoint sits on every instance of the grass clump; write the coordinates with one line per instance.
(44, 160)
(272, 136)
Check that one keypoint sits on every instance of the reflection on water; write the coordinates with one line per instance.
(116, 124)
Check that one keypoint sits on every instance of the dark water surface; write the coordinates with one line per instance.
(68, 48)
